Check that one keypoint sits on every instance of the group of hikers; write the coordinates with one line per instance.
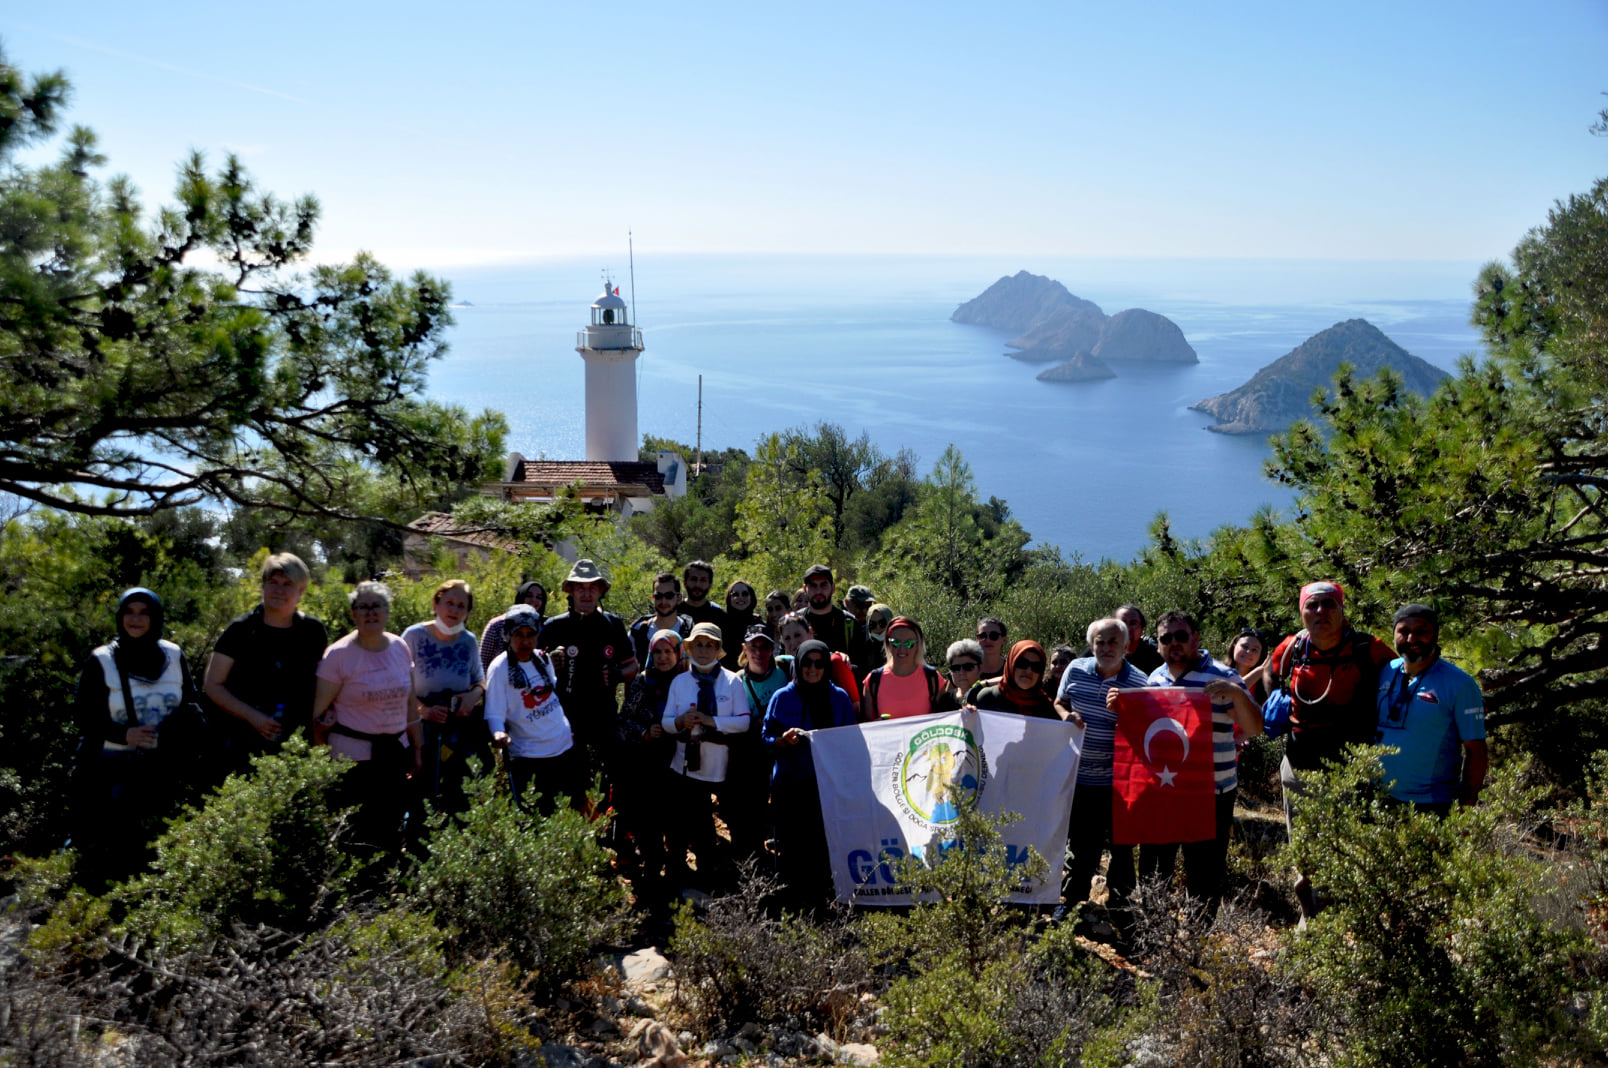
(719, 705)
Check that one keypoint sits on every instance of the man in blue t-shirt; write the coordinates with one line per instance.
(1434, 713)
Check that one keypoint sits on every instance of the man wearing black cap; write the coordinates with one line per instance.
(1434, 713)
(830, 623)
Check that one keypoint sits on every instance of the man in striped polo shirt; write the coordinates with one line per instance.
(1234, 713)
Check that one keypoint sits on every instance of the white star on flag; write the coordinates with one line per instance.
(1166, 776)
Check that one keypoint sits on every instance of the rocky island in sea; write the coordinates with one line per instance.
(1055, 326)
(1281, 392)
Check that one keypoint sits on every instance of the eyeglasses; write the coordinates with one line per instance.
(965, 665)
(990, 635)
(1030, 665)
(902, 643)
(1175, 636)
(367, 607)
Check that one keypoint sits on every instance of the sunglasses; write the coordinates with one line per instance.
(1030, 665)
(665, 596)
(990, 635)
(366, 607)
(965, 665)
(814, 663)
(902, 643)
(1175, 636)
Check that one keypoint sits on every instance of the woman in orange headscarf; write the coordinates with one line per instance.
(1021, 688)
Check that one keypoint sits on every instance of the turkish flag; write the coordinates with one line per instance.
(1162, 787)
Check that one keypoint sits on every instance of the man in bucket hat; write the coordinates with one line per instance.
(592, 654)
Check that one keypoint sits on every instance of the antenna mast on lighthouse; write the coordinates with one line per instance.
(630, 250)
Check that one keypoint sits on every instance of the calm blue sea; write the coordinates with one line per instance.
(866, 342)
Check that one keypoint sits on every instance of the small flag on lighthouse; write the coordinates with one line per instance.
(616, 291)
(1162, 787)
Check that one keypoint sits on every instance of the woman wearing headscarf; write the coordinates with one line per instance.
(1020, 687)
(643, 753)
(492, 641)
(741, 613)
(138, 732)
(809, 703)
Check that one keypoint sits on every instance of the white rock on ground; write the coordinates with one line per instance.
(858, 1053)
(644, 966)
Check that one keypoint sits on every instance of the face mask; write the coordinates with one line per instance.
(451, 632)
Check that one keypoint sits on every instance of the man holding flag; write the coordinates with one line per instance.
(1175, 769)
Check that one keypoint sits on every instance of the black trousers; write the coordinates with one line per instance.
(1088, 835)
(1204, 862)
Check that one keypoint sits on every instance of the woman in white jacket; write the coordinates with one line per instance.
(706, 704)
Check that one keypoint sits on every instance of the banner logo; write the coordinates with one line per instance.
(939, 762)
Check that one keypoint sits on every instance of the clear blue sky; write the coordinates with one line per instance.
(441, 134)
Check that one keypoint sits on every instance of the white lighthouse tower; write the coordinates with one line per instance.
(610, 346)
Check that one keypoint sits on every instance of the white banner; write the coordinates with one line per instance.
(883, 794)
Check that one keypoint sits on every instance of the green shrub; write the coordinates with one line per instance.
(504, 882)
(265, 848)
(736, 964)
(980, 985)
(1440, 946)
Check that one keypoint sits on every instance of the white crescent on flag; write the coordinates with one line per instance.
(1166, 723)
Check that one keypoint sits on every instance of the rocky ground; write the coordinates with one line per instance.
(631, 1021)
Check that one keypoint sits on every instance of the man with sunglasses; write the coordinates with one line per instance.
(1434, 713)
(1234, 713)
(665, 616)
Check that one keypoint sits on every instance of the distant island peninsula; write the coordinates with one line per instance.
(1281, 392)
(1055, 326)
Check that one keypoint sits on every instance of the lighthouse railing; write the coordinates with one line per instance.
(608, 337)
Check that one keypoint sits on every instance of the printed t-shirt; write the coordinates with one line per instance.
(374, 689)
(532, 714)
(442, 667)
(1428, 718)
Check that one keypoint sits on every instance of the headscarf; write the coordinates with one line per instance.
(659, 681)
(143, 656)
(816, 697)
(1023, 699)
(524, 591)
